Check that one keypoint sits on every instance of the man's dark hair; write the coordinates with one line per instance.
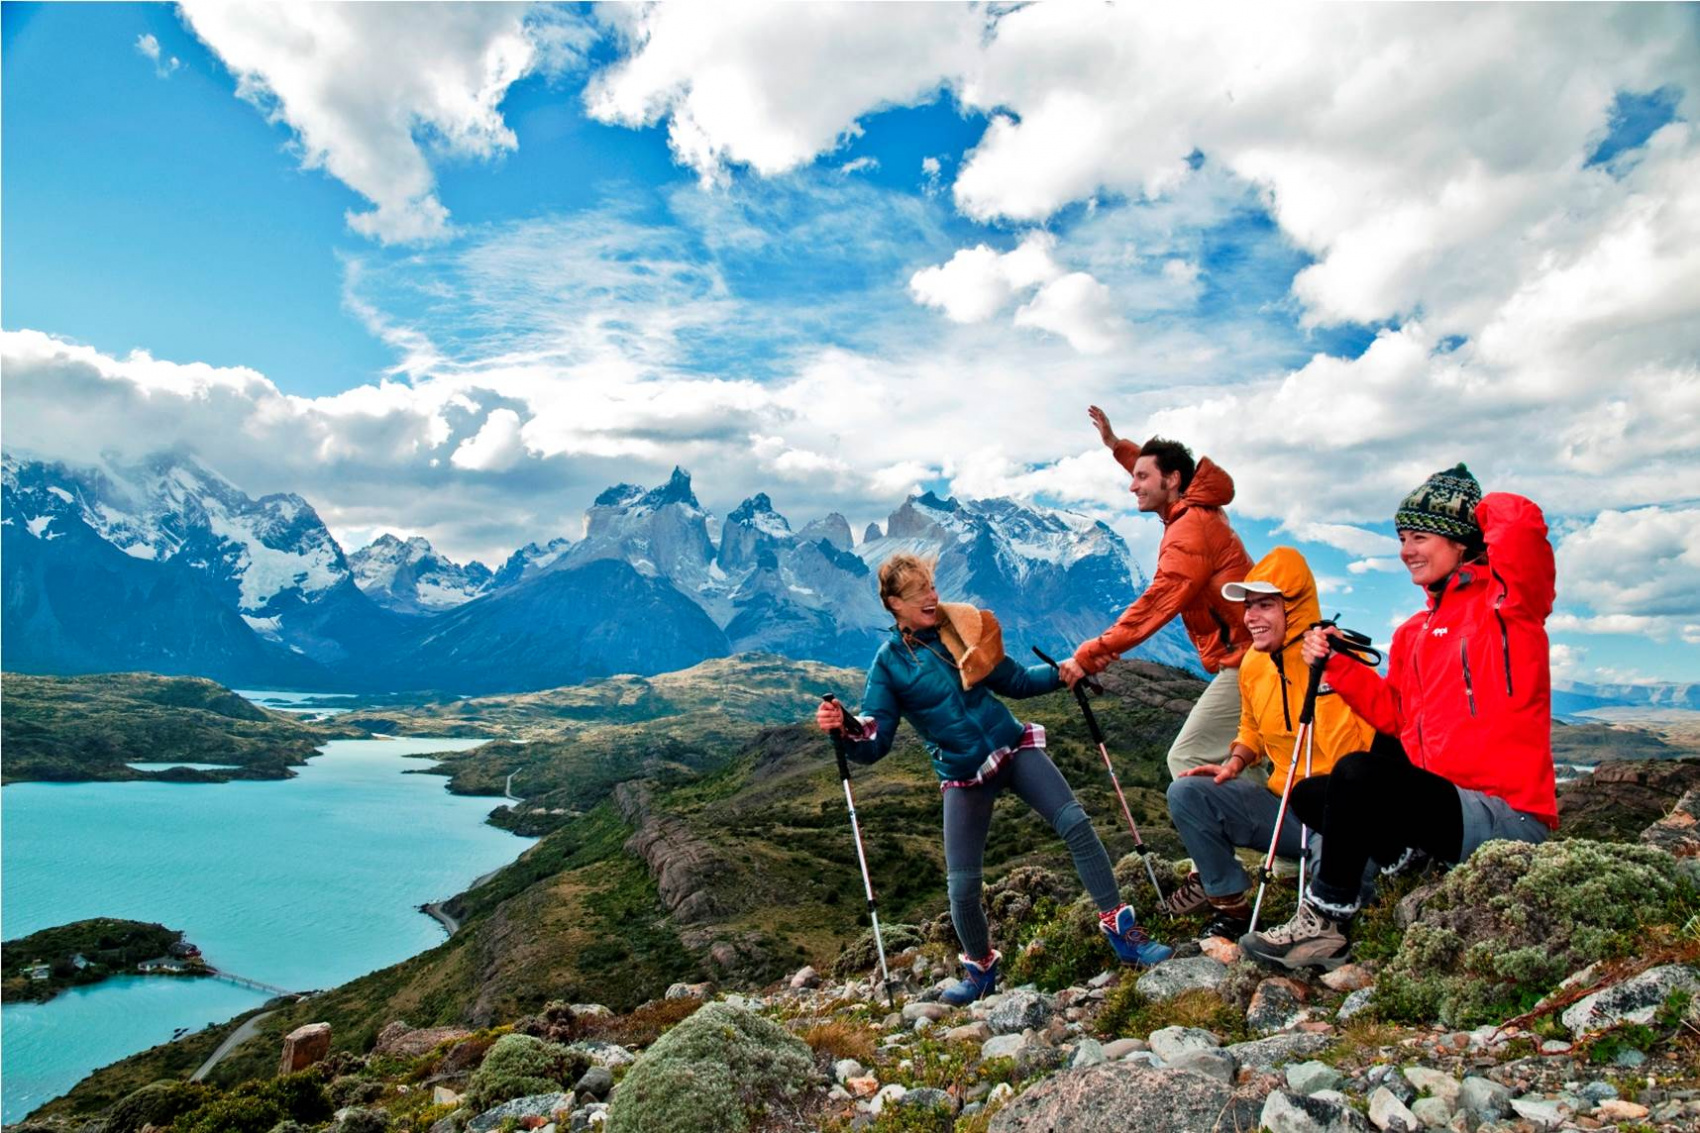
(1171, 456)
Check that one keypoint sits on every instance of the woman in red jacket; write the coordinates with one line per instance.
(1468, 696)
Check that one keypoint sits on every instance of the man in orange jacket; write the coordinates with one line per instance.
(1198, 556)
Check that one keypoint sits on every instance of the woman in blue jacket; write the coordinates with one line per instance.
(938, 670)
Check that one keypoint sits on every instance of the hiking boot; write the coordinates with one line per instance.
(1412, 860)
(1309, 940)
(980, 979)
(1228, 924)
(1129, 941)
(1188, 897)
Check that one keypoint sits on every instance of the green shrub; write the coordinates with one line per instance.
(363, 1121)
(714, 1071)
(1059, 947)
(255, 1107)
(159, 1103)
(1505, 927)
(349, 1090)
(519, 1066)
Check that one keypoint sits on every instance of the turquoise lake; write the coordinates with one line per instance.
(304, 883)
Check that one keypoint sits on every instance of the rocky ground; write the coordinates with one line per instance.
(1485, 1042)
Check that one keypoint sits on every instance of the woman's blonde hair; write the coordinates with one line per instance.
(897, 572)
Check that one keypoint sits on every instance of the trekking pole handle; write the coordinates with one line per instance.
(1350, 643)
(1090, 682)
(1079, 691)
(839, 744)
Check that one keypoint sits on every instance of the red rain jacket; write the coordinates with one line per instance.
(1468, 689)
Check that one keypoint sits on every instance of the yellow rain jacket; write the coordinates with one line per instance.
(1272, 685)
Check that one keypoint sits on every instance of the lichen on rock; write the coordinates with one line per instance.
(713, 1071)
(1514, 920)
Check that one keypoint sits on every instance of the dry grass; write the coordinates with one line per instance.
(644, 1025)
(839, 1039)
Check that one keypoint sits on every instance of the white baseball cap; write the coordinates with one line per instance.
(1239, 591)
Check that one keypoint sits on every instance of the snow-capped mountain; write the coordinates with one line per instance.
(165, 565)
(271, 561)
(412, 578)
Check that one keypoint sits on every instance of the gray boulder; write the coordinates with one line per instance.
(1309, 1077)
(538, 1105)
(1169, 1043)
(1210, 1063)
(1635, 1000)
(1019, 1010)
(1286, 1112)
(1484, 1099)
(1172, 977)
(1118, 1096)
(1277, 1050)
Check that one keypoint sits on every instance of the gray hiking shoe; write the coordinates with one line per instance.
(1309, 940)
(1188, 897)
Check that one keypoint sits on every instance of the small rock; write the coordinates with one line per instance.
(1285, 1112)
(847, 1068)
(805, 977)
(1387, 1112)
(1433, 1113)
(1635, 1000)
(1630, 1058)
(928, 1098)
(690, 991)
(442, 1095)
(1171, 977)
(304, 1046)
(1102, 979)
(1309, 1077)
(1169, 1043)
(978, 1031)
(1002, 1046)
(1215, 1064)
(1275, 1006)
(1019, 1010)
(932, 1011)
(1355, 1004)
(1220, 950)
(1618, 1109)
(543, 1106)
(1277, 1050)
(1484, 1099)
(1555, 1046)
(1121, 1048)
(1435, 1083)
(1546, 1113)
(1089, 1052)
(1597, 1092)
(596, 1082)
(592, 1011)
(609, 1055)
(1000, 1094)
(887, 1096)
(1348, 977)
(863, 1086)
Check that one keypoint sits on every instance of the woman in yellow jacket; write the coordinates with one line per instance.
(1213, 806)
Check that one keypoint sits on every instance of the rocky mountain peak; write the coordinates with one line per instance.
(677, 490)
(833, 528)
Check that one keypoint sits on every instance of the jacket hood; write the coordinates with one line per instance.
(1287, 569)
(1210, 487)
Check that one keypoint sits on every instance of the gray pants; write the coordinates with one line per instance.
(968, 817)
(1215, 818)
(1210, 727)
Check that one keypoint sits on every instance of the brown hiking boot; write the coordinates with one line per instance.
(1188, 897)
(1309, 940)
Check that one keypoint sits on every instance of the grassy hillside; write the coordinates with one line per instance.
(579, 917)
(72, 729)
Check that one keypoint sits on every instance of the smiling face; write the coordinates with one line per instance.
(1429, 557)
(1266, 621)
(916, 606)
(1154, 491)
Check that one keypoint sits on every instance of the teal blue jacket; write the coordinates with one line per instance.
(918, 683)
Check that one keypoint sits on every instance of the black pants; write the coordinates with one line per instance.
(1376, 804)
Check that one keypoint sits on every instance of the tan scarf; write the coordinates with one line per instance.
(974, 638)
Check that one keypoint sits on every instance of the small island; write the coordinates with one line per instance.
(41, 965)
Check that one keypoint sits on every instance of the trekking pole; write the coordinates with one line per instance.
(1097, 734)
(838, 747)
(1356, 646)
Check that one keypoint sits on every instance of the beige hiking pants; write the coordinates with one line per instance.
(1210, 727)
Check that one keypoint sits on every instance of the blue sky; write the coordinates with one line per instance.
(452, 276)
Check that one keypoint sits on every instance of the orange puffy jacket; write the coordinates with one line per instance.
(1199, 555)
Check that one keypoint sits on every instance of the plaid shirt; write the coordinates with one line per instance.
(1032, 735)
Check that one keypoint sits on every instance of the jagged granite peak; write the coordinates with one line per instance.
(677, 490)
(832, 527)
(871, 532)
(619, 495)
(532, 558)
(410, 577)
(752, 529)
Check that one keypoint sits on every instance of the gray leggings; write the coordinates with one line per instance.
(968, 817)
